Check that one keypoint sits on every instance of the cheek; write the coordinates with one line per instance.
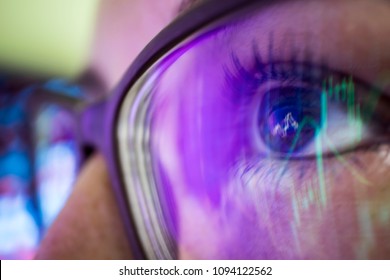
(293, 213)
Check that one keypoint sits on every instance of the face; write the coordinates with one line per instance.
(280, 165)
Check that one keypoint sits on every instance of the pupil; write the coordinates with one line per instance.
(286, 120)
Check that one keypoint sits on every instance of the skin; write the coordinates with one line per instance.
(96, 234)
(352, 222)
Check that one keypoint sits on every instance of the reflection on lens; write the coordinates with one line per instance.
(265, 139)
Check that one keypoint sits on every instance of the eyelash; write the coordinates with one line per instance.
(289, 71)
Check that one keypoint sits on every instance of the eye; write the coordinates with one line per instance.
(294, 120)
(314, 112)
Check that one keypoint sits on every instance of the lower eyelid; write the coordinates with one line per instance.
(251, 175)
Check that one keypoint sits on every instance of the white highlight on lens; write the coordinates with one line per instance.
(287, 122)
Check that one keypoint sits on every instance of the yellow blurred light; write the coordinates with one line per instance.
(46, 37)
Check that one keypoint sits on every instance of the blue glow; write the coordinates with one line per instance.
(57, 171)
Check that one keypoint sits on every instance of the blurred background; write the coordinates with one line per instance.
(44, 48)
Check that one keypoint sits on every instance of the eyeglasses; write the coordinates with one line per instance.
(254, 129)
(147, 207)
